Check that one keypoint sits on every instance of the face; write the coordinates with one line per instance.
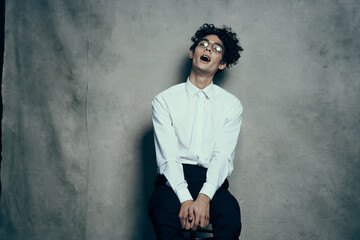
(207, 56)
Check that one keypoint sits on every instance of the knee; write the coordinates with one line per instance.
(229, 221)
(226, 216)
(163, 202)
(234, 224)
(233, 218)
(226, 204)
(227, 227)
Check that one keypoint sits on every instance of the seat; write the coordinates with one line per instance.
(201, 233)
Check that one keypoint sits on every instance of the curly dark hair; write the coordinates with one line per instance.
(232, 48)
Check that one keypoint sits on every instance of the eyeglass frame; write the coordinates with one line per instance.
(212, 45)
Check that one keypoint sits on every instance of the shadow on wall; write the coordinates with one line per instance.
(148, 156)
(148, 160)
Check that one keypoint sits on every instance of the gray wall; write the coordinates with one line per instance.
(79, 77)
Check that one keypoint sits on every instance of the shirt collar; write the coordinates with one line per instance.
(193, 90)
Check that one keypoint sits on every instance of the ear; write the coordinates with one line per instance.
(222, 65)
(191, 55)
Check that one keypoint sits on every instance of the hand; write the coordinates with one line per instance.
(199, 212)
(184, 214)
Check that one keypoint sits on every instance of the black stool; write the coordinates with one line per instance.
(200, 230)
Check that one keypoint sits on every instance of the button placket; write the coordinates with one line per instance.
(200, 121)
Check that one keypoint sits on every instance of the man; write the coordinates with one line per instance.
(196, 127)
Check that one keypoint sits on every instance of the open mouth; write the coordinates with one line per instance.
(205, 58)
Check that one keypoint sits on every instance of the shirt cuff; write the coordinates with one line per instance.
(183, 195)
(208, 189)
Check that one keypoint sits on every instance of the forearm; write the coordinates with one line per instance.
(221, 164)
(219, 169)
(173, 171)
(167, 150)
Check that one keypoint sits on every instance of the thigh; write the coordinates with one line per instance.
(224, 202)
(225, 215)
(164, 207)
(164, 199)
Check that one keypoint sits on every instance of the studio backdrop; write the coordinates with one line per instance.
(78, 155)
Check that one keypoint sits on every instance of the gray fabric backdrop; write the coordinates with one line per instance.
(79, 77)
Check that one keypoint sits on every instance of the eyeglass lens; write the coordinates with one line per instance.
(215, 46)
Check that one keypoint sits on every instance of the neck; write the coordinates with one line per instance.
(200, 80)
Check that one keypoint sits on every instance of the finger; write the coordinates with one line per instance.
(191, 214)
(203, 222)
(195, 226)
(193, 223)
(196, 223)
(187, 225)
(183, 218)
(207, 220)
(193, 219)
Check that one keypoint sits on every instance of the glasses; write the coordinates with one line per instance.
(216, 47)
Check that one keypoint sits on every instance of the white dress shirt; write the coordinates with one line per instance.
(199, 127)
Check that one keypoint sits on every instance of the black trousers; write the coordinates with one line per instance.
(164, 207)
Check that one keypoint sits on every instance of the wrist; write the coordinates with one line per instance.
(187, 202)
(204, 197)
